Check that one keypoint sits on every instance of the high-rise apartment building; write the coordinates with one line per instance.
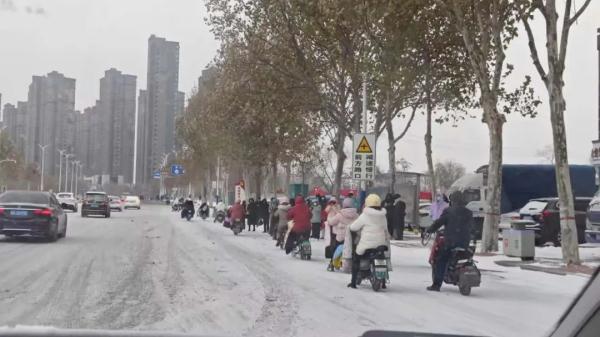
(156, 121)
(141, 149)
(49, 119)
(116, 114)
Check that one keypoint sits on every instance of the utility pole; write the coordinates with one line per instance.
(61, 152)
(74, 174)
(598, 47)
(43, 148)
(77, 177)
(363, 183)
(67, 156)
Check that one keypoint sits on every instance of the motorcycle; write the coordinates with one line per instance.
(188, 214)
(219, 216)
(303, 248)
(374, 267)
(203, 212)
(237, 226)
(462, 270)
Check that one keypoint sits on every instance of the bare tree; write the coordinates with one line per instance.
(447, 173)
(546, 154)
(487, 27)
(556, 52)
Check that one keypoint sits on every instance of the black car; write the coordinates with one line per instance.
(29, 213)
(95, 203)
(545, 213)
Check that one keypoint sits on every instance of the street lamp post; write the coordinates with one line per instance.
(43, 148)
(74, 175)
(67, 156)
(77, 176)
(62, 153)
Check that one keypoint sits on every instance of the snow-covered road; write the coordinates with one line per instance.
(150, 270)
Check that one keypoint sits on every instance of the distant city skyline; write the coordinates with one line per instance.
(84, 38)
(104, 137)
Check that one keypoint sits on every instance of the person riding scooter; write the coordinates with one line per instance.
(372, 225)
(237, 212)
(301, 215)
(457, 221)
(203, 210)
(188, 207)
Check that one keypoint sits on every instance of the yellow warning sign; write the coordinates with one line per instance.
(363, 146)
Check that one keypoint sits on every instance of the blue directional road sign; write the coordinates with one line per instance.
(177, 170)
(156, 175)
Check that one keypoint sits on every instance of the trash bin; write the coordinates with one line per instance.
(518, 241)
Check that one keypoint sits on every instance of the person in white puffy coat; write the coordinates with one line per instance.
(372, 225)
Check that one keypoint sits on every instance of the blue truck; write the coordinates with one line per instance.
(521, 183)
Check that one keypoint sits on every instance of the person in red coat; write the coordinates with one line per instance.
(301, 215)
(237, 211)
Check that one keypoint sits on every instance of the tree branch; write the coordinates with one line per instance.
(579, 12)
(408, 124)
(534, 53)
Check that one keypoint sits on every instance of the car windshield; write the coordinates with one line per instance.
(24, 197)
(472, 195)
(297, 168)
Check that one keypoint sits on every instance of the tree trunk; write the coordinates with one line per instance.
(568, 228)
(274, 174)
(495, 123)
(341, 158)
(554, 84)
(258, 182)
(288, 177)
(428, 149)
(391, 144)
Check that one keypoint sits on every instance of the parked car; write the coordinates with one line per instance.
(593, 219)
(67, 201)
(31, 213)
(425, 220)
(96, 203)
(507, 218)
(132, 201)
(116, 203)
(546, 215)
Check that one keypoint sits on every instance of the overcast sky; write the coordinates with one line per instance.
(83, 38)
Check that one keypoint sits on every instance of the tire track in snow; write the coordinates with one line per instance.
(279, 310)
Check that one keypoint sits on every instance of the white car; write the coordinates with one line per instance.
(132, 201)
(116, 203)
(425, 220)
(67, 201)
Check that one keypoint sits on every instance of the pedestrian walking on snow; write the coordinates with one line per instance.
(315, 219)
(252, 214)
(263, 214)
(281, 221)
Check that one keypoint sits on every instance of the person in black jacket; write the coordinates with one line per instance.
(398, 215)
(263, 213)
(388, 204)
(252, 214)
(457, 221)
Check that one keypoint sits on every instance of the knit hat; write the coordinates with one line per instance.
(373, 200)
(348, 203)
